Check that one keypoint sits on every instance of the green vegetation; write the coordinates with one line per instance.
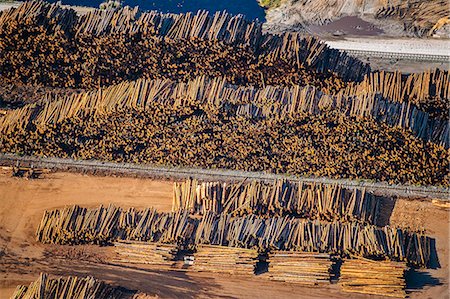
(270, 3)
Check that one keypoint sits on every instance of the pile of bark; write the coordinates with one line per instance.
(312, 269)
(383, 278)
(282, 197)
(221, 259)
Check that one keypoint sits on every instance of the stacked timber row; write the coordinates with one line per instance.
(269, 102)
(201, 25)
(145, 253)
(418, 17)
(287, 233)
(52, 17)
(300, 267)
(221, 26)
(282, 197)
(67, 287)
(383, 278)
(75, 225)
(430, 90)
(311, 52)
(224, 259)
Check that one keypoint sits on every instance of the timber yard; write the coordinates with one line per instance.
(197, 149)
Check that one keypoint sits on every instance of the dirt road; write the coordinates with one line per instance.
(22, 203)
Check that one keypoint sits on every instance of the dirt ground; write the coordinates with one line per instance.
(22, 203)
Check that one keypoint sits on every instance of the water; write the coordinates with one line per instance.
(249, 8)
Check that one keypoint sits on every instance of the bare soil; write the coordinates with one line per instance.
(348, 25)
(22, 203)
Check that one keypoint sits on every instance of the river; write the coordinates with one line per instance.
(249, 8)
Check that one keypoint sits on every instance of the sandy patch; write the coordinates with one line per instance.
(22, 203)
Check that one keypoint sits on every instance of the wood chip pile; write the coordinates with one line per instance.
(282, 197)
(75, 225)
(67, 287)
(299, 267)
(145, 253)
(383, 278)
(223, 259)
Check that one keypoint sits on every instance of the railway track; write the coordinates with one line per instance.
(397, 55)
(178, 173)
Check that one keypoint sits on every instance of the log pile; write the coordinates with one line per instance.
(129, 43)
(211, 94)
(51, 17)
(429, 90)
(323, 145)
(201, 25)
(296, 48)
(223, 259)
(75, 225)
(304, 268)
(145, 253)
(282, 197)
(287, 233)
(67, 287)
(299, 130)
(270, 102)
(28, 172)
(419, 17)
(383, 278)
(13, 96)
(305, 131)
(173, 40)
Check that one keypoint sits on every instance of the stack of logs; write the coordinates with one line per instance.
(145, 253)
(67, 287)
(282, 197)
(292, 48)
(212, 94)
(383, 278)
(286, 233)
(300, 267)
(229, 29)
(419, 17)
(53, 17)
(223, 259)
(76, 225)
(429, 90)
